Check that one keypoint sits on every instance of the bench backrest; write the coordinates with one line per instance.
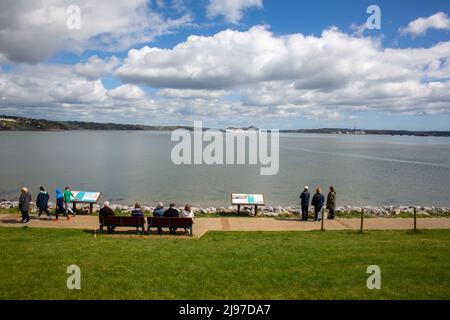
(123, 221)
(169, 222)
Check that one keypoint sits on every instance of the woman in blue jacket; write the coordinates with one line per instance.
(60, 204)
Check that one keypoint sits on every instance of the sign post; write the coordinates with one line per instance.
(362, 221)
(415, 219)
(247, 200)
(323, 220)
(85, 197)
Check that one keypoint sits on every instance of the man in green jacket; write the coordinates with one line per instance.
(331, 203)
(68, 198)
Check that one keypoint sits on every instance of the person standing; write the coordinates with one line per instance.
(331, 203)
(317, 202)
(42, 201)
(304, 197)
(68, 198)
(60, 205)
(172, 212)
(24, 205)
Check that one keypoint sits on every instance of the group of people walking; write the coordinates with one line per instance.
(63, 200)
(318, 201)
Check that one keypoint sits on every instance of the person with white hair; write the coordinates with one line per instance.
(24, 204)
(304, 198)
(159, 212)
(106, 211)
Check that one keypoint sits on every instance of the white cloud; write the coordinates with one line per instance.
(32, 31)
(44, 85)
(95, 67)
(191, 94)
(296, 73)
(127, 92)
(231, 10)
(233, 73)
(420, 26)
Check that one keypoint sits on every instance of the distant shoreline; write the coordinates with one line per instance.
(14, 124)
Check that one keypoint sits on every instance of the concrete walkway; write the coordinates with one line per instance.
(204, 225)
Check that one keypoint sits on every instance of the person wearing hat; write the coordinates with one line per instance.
(304, 198)
(24, 204)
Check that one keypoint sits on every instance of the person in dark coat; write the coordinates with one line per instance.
(304, 197)
(106, 211)
(42, 201)
(317, 202)
(137, 211)
(24, 205)
(172, 212)
(331, 203)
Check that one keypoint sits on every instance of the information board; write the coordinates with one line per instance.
(247, 199)
(86, 196)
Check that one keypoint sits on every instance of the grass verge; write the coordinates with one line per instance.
(234, 265)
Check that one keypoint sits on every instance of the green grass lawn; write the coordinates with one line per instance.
(262, 265)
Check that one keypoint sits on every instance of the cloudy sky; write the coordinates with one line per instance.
(270, 63)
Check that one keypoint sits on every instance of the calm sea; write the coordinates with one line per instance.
(136, 166)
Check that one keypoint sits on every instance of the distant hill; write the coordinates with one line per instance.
(13, 123)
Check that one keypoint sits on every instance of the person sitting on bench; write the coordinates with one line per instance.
(172, 212)
(188, 213)
(106, 211)
(137, 211)
(159, 212)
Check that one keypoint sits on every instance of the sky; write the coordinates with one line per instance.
(274, 64)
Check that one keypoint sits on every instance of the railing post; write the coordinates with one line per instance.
(415, 219)
(322, 221)
(362, 221)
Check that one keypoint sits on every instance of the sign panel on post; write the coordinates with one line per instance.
(86, 197)
(247, 199)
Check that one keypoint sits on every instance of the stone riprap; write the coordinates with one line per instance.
(269, 211)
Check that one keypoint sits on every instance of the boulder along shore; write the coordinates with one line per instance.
(268, 211)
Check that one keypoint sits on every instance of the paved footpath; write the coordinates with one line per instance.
(204, 225)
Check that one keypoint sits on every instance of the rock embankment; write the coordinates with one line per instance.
(273, 211)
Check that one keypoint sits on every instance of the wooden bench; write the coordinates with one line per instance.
(161, 222)
(113, 221)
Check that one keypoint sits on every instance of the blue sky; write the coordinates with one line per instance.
(274, 64)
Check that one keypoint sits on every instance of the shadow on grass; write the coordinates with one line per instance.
(140, 234)
(11, 221)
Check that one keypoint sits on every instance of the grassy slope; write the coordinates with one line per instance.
(225, 265)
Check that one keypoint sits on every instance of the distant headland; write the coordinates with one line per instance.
(15, 123)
